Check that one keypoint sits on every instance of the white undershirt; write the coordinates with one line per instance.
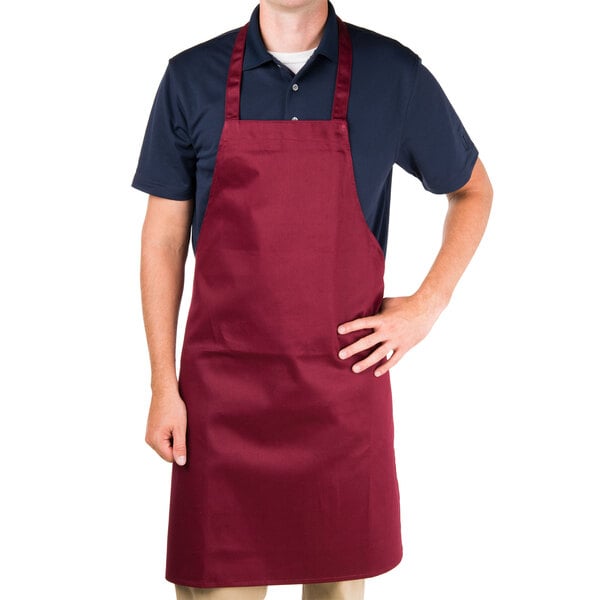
(293, 60)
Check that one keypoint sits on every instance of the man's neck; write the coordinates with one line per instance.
(292, 25)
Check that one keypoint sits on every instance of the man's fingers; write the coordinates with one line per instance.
(166, 428)
(368, 341)
(373, 358)
(371, 322)
(169, 447)
(161, 444)
(179, 447)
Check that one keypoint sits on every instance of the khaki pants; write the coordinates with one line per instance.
(353, 589)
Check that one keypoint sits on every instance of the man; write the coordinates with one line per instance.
(274, 144)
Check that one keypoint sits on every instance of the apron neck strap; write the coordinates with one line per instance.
(344, 71)
(342, 82)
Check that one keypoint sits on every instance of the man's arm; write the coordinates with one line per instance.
(404, 321)
(165, 240)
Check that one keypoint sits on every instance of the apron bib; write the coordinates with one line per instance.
(291, 473)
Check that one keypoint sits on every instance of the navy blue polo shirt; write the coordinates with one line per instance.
(397, 114)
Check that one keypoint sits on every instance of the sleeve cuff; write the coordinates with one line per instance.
(458, 180)
(163, 191)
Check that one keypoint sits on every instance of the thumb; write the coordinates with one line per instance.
(179, 449)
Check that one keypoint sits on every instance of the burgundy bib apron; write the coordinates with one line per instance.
(291, 473)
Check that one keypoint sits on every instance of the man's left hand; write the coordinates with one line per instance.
(401, 323)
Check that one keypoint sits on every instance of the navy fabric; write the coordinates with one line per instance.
(397, 114)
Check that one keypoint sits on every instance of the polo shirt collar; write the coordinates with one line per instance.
(256, 54)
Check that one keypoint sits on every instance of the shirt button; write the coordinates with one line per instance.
(295, 87)
(294, 118)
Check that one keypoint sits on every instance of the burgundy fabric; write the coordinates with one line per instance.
(291, 473)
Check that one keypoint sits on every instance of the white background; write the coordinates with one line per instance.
(496, 411)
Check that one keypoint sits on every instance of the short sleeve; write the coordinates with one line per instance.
(434, 146)
(167, 161)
